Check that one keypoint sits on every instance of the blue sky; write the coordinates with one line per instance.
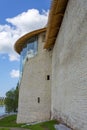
(17, 17)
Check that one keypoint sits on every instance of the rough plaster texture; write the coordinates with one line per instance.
(69, 68)
(34, 84)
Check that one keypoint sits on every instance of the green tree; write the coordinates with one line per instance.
(11, 100)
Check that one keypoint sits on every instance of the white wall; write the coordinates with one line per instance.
(34, 84)
(69, 67)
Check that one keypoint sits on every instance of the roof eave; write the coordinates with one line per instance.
(22, 41)
(56, 15)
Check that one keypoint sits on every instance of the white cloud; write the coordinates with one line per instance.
(13, 57)
(18, 26)
(14, 73)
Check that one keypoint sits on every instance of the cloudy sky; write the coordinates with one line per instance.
(17, 17)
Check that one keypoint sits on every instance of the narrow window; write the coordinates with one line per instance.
(48, 77)
(38, 99)
(27, 59)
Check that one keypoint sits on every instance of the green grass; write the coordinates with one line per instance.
(10, 121)
(1, 102)
(4, 129)
(49, 125)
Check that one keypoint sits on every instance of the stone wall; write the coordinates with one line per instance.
(34, 85)
(69, 68)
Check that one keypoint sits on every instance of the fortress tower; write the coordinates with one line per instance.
(53, 81)
(35, 78)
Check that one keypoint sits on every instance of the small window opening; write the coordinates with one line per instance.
(48, 77)
(27, 59)
(49, 49)
(38, 99)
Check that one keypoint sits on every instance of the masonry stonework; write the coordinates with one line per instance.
(69, 68)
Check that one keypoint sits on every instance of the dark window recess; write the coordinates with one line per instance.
(38, 99)
(27, 59)
(48, 77)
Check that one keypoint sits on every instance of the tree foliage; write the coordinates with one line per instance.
(11, 100)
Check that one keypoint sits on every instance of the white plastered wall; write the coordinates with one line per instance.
(34, 84)
(69, 67)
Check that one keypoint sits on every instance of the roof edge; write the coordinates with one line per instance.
(56, 15)
(19, 44)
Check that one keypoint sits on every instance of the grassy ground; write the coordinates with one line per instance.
(10, 121)
(49, 125)
(4, 128)
(1, 102)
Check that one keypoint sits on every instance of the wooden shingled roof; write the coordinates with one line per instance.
(22, 41)
(54, 22)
